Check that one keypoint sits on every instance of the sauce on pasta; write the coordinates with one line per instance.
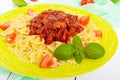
(54, 25)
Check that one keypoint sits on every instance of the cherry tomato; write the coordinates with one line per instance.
(31, 12)
(46, 62)
(98, 33)
(33, 0)
(11, 37)
(84, 20)
(5, 25)
(83, 2)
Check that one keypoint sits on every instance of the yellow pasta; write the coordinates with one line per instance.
(31, 49)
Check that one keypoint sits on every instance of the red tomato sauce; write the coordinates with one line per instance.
(54, 25)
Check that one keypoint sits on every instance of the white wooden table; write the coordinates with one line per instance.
(110, 71)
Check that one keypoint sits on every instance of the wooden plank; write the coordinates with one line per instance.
(4, 76)
(8, 78)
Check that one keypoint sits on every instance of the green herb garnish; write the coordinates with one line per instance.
(19, 3)
(115, 1)
(94, 51)
(79, 55)
(64, 52)
(77, 42)
(67, 51)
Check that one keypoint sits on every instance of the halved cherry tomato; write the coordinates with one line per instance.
(31, 12)
(84, 20)
(54, 65)
(98, 33)
(46, 62)
(11, 37)
(5, 25)
(83, 2)
(33, 0)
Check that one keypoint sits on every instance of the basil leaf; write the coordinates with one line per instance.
(115, 1)
(64, 52)
(19, 3)
(94, 51)
(79, 55)
(77, 42)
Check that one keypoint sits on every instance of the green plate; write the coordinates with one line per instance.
(9, 61)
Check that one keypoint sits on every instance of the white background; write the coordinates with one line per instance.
(110, 71)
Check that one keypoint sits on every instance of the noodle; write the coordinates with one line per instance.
(31, 49)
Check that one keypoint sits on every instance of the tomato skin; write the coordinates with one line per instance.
(84, 20)
(98, 33)
(46, 62)
(83, 2)
(33, 0)
(11, 37)
(31, 12)
(5, 25)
